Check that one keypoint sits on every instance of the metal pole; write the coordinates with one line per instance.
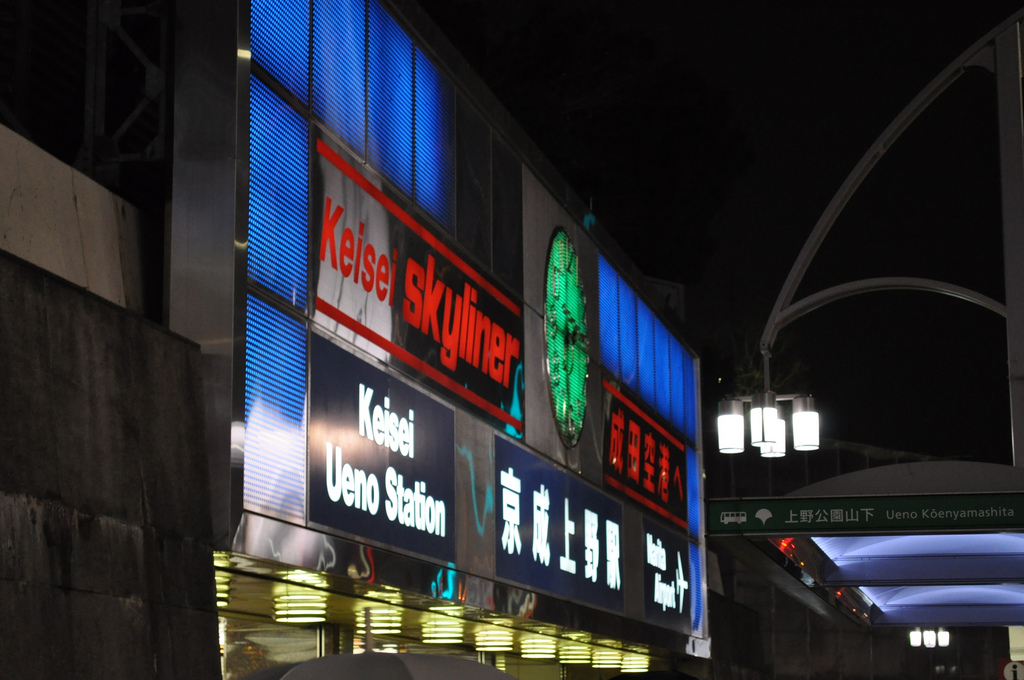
(1011, 161)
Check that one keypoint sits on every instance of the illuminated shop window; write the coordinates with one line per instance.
(641, 352)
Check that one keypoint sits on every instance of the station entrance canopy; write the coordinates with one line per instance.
(938, 544)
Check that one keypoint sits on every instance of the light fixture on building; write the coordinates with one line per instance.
(300, 608)
(381, 620)
(929, 638)
(635, 663)
(537, 648)
(494, 640)
(573, 653)
(442, 631)
(606, 659)
(222, 581)
(767, 428)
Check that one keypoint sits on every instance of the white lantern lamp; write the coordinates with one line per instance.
(730, 426)
(763, 414)
(776, 448)
(805, 424)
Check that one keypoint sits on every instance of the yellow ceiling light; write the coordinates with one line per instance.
(494, 641)
(537, 648)
(449, 609)
(300, 608)
(635, 663)
(573, 653)
(442, 631)
(383, 621)
(605, 658)
(223, 584)
(388, 594)
(308, 578)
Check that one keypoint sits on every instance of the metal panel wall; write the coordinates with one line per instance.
(203, 302)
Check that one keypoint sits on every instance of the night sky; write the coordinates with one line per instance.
(778, 102)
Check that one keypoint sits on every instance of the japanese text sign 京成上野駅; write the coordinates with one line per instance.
(554, 532)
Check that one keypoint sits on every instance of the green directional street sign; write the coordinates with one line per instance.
(866, 514)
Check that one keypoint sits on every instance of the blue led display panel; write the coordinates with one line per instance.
(677, 412)
(665, 371)
(697, 595)
(640, 350)
(339, 68)
(275, 420)
(647, 369)
(435, 142)
(627, 332)
(279, 41)
(278, 191)
(390, 139)
(689, 373)
(608, 314)
(693, 491)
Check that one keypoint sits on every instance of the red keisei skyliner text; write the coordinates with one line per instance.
(451, 319)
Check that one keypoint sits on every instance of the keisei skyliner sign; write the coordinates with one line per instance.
(390, 286)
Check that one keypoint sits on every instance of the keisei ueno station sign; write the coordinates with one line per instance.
(380, 460)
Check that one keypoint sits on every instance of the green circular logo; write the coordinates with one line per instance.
(565, 331)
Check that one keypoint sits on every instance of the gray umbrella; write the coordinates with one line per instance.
(392, 667)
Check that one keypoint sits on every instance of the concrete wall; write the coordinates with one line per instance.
(63, 221)
(106, 568)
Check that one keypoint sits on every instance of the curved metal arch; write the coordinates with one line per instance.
(821, 298)
(982, 54)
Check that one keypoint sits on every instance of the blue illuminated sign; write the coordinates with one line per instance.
(554, 532)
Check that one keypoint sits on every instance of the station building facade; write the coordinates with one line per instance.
(442, 410)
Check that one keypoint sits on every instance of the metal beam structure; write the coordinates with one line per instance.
(1000, 52)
